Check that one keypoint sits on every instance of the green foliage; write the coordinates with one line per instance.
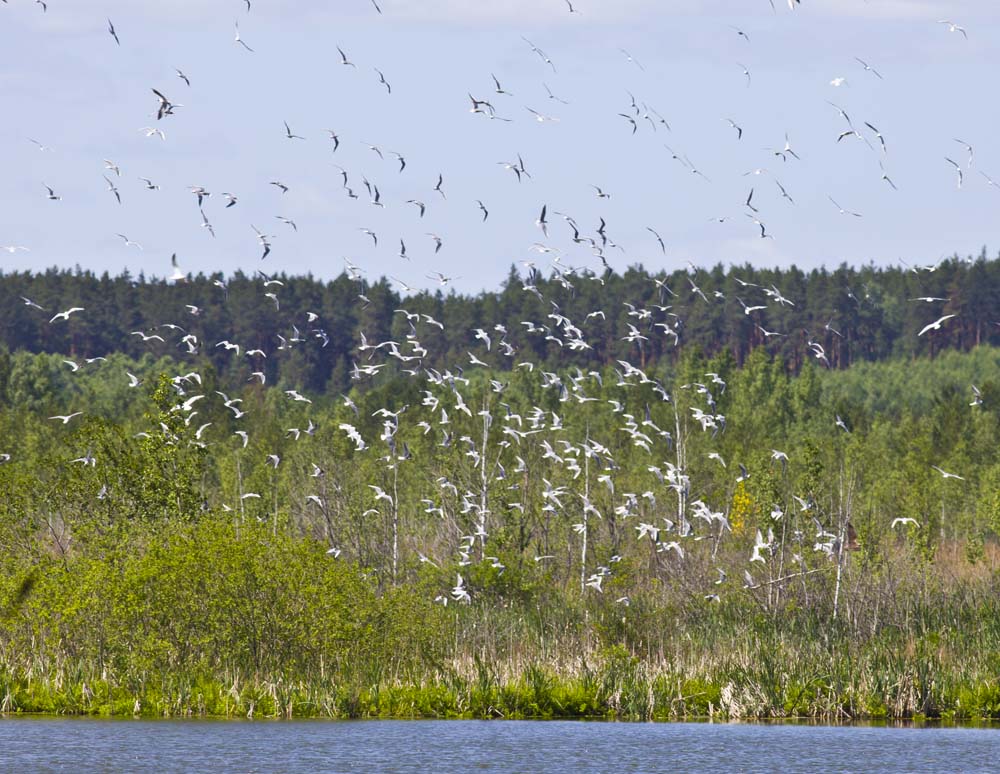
(138, 576)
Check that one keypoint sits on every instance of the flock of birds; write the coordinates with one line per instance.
(498, 453)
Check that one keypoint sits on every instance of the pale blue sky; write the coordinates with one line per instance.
(65, 83)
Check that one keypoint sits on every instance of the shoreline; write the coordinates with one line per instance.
(516, 701)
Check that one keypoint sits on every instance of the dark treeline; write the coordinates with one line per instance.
(865, 314)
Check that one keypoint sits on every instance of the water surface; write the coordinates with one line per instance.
(55, 744)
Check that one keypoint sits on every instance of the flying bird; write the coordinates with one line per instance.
(936, 325)
(66, 417)
(240, 40)
(958, 169)
(842, 210)
(542, 223)
(746, 73)
(113, 189)
(945, 474)
(65, 315)
(344, 60)
(868, 68)
(659, 239)
(952, 27)
(968, 149)
(129, 242)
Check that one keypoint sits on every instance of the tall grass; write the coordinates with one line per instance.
(204, 621)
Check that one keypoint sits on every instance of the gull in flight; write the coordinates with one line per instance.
(65, 315)
(952, 27)
(166, 108)
(240, 40)
(740, 32)
(542, 223)
(113, 189)
(441, 278)
(177, 274)
(129, 242)
(344, 60)
(958, 169)
(946, 474)
(878, 135)
(904, 520)
(868, 68)
(146, 337)
(459, 593)
(542, 55)
(842, 210)
(936, 325)
(784, 193)
(499, 89)
(968, 149)
(67, 417)
(205, 223)
(746, 73)
(540, 117)
(553, 96)
(885, 176)
(629, 58)
(659, 239)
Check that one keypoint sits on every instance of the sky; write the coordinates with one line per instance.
(67, 85)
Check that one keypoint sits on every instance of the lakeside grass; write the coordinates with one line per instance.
(942, 677)
(206, 621)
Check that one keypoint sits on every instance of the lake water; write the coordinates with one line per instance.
(76, 745)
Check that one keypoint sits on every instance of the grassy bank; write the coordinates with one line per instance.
(863, 686)
(211, 619)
